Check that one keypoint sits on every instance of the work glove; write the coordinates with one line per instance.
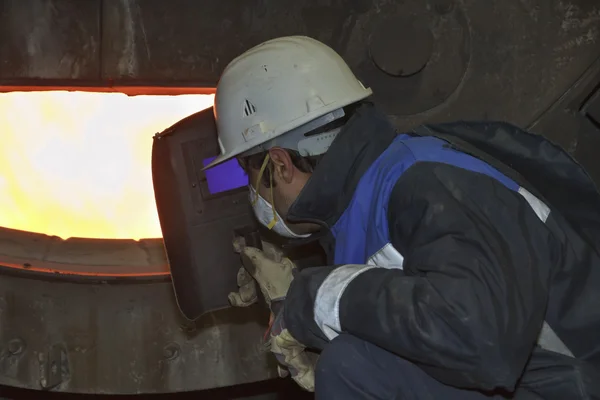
(247, 294)
(274, 279)
(271, 270)
(292, 356)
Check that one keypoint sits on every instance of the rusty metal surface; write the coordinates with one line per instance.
(122, 338)
(99, 316)
(79, 257)
(274, 389)
(65, 327)
(505, 59)
(50, 39)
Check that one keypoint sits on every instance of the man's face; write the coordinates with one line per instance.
(288, 182)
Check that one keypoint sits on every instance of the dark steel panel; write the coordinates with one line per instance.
(498, 59)
(198, 228)
(122, 338)
(190, 40)
(435, 42)
(50, 39)
(523, 55)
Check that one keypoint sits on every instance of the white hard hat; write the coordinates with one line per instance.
(289, 85)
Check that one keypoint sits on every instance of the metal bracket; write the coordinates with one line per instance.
(54, 367)
(591, 107)
(10, 356)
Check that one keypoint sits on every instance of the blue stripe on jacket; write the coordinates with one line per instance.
(363, 228)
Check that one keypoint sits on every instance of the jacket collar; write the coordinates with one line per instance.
(331, 187)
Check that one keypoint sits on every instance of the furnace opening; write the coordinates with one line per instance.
(78, 163)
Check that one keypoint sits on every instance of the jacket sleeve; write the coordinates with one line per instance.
(469, 301)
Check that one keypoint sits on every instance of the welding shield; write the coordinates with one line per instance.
(199, 212)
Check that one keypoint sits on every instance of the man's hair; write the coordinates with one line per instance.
(303, 163)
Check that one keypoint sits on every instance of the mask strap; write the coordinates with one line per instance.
(274, 220)
(260, 174)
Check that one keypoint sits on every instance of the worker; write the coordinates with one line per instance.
(463, 258)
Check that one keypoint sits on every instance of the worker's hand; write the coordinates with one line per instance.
(247, 294)
(291, 355)
(269, 249)
(273, 277)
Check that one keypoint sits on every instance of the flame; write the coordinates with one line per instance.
(77, 164)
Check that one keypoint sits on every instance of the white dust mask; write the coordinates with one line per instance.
(265, 212)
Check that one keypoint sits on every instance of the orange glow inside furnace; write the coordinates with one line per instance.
(78, 164)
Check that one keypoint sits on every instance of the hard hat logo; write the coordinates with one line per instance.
(280, 86)
(249, 108)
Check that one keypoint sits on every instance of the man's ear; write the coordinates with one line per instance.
(283, 167)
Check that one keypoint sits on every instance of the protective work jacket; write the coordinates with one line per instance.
(470, 249)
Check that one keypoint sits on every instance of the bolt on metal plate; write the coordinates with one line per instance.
(54, 367)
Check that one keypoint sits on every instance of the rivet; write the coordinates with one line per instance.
(16, 346)
(171, 351)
